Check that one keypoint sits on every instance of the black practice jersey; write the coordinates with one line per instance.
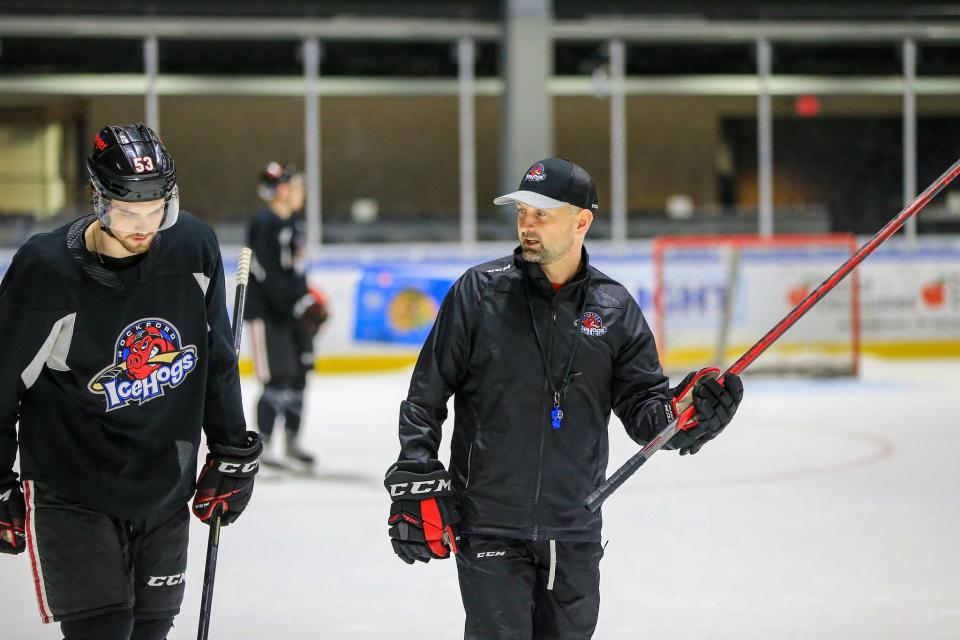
(277, 278)
(112, 374)
(519, 473)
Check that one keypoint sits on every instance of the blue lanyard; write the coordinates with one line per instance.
(559, 390)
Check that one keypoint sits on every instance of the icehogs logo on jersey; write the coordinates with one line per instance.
(148, 358)
(592, 324)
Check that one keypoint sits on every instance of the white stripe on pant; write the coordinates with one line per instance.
(553, 565)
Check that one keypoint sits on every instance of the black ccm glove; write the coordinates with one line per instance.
(714, 404)
(226, 480)
(12, 516)
(422, 517)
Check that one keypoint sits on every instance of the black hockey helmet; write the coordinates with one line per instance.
(272, 176)
(129, 163)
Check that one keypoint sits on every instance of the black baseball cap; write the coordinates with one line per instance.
(552, 183)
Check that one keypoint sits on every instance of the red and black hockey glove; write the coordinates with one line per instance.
(714, 404)
(226, 480)
(12, 516)
(311, 309)
(422, 517)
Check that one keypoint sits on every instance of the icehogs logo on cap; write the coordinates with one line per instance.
(148, 358)
(536, 173)
(592, 324)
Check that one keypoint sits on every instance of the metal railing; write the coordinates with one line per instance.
(763, 35)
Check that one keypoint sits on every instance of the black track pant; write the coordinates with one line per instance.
(282, 357)
(522, 589)
(101, 577)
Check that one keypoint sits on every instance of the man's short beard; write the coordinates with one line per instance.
(135, 248)
(545, 255)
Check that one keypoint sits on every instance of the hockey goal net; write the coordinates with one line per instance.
(715, 296)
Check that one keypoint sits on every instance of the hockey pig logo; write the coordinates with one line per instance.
(536, 173)
(592, 324)
(148, 358)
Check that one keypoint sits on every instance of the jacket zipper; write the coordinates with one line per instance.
(536, 500)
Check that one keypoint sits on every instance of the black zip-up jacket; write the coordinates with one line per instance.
(515, 475)
(278, 280)
(112, 374)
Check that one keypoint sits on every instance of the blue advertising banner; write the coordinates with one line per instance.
(396, 305)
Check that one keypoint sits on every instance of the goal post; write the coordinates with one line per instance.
(715, 295)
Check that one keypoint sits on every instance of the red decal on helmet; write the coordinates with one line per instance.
(275, 170)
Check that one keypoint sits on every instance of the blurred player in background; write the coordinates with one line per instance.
(537, 349)
(284, 313)
(117, 349)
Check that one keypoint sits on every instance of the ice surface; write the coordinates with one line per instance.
(829, 509)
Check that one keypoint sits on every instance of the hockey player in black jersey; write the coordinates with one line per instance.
(537, 348)
(117, 353)
(283, 312)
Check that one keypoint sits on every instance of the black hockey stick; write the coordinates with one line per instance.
(213, 540)
(603, 492)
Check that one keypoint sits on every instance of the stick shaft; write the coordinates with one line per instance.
(209, 575)
(240, 296)
(593, 502)
(843, 270)
(213, 539)
(596, 499)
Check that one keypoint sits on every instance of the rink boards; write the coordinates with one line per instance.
(383, 298)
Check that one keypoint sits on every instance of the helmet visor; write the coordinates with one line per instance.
(141, 217)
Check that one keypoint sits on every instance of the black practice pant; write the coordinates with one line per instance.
(282, 357)
(102, 577)
(523, 589)
(119, 625)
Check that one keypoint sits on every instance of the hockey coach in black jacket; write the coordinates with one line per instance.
(537, 348)
(117, 351)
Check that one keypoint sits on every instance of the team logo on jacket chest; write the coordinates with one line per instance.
(147, 359)
(592, 324)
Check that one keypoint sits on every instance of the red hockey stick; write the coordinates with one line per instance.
(604, 491)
